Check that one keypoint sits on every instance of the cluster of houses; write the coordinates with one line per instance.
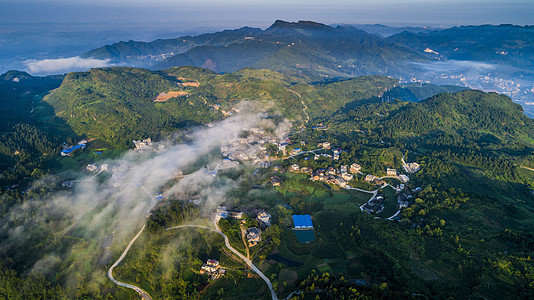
(212, 268)
(147, 144)
(94, 168)
(143, 144)
(253, 234)
(331, 175)
(224, 213)
(251, 148)
(374, 205)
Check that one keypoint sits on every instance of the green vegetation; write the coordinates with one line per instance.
(467, 234)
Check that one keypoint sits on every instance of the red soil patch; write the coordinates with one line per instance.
(162, 97)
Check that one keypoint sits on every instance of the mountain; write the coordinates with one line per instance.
(385, 31)
(302, 48)
(417, 92)
(510, 44)
(143, 53)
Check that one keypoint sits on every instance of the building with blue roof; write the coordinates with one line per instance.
(66, 152)
(302, 222)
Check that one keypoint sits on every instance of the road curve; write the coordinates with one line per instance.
(227, 244)
(141, 292)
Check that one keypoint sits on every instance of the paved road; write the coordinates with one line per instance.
(141, 292)
(527, 168)
(227, 244)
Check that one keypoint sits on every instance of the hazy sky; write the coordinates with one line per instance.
(261, 13)
(45, 29)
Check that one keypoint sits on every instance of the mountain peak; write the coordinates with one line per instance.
(300, 24)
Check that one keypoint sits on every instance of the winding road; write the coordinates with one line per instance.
(139, 290)
(227, 244)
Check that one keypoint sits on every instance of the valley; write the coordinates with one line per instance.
(296, 161)
(406, 191)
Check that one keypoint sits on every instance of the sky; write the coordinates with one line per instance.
(261, 13)
(34, 30)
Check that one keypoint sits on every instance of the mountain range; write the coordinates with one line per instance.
(307, 48)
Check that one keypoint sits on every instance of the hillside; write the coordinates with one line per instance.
(117, 104)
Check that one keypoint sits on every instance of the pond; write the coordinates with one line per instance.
(304, 235)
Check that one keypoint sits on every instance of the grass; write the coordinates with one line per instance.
(390, 203)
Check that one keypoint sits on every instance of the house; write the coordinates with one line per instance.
(264, 217)
(336, 156)
(340, 182)
(343, 169)
(104, 167)
(306, 170)
(331, 171)
(91, 167)
(212, 268)
(404, 178)
(238, 215)
(295, 167)
(355, 168)
(315, 177)
(143, 144)
(221, 212)
(347, 176)
(326, 145)
(391, 172)
(253, 236)
(211, 265)
(412, 167)
(316, 156)
(369, 178)
(275, 181)
(295, 151)
(337, 151)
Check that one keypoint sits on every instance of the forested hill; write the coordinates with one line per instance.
(28, 128)
(474, 110)
(119, 104)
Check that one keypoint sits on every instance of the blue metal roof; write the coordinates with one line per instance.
(302, 221)
(73, 148)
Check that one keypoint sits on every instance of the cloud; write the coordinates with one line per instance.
(64, 65)
(455, 66)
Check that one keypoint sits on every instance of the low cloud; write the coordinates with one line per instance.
(64, 65)
(455, 66)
